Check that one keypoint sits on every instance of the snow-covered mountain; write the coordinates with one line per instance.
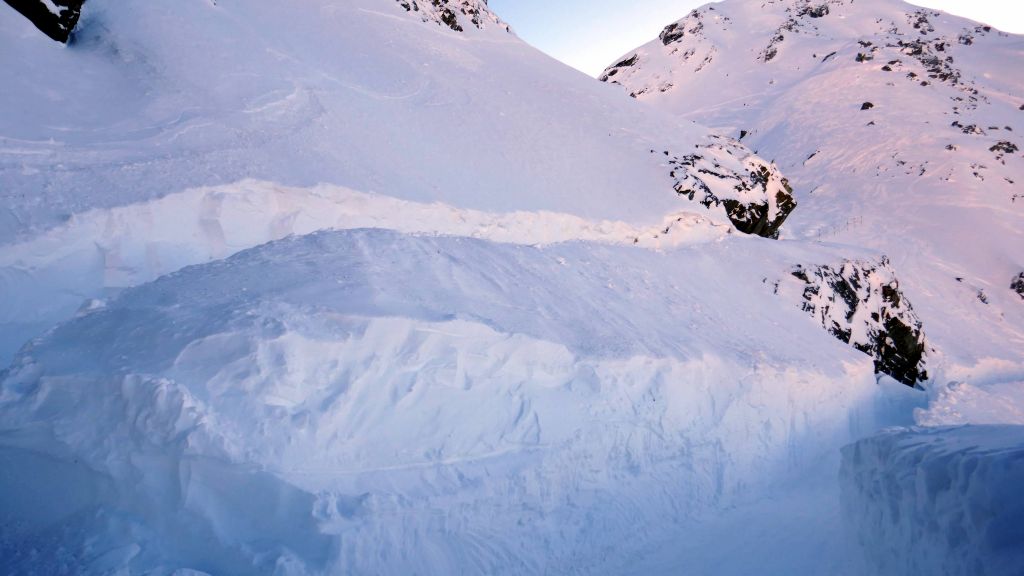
(898, 128)
(373, 287)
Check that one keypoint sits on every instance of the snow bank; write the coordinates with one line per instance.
(46, 279)
(373, 402)
(942, 501)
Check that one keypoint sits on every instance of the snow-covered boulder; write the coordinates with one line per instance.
(860, 303)
(455, 14)
(55, 18)
(721, 172)
(938, 501)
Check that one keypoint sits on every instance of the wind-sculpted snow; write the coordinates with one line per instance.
(540, 359)
(861, 303)
(942, 501)
(367, 402)
(49, 277)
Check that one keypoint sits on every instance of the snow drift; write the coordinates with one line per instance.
(404, 403)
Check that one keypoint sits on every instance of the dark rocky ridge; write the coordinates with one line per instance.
(860, 303)
(455, 14)
(57, 26)
(1018, 285)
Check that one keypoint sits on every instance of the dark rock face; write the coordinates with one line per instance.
(614, 68)
(860, 303)
(672, 33)
(755, 196)
(57, 26)
(455, 14)
(819, 11)
(1004, 147)
(867, 106)
(755, 218)
(1018, 285)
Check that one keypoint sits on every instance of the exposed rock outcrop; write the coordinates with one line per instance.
(455, 14)
(1018, 285)
(55, 18)
(756, 198)
(860, 303)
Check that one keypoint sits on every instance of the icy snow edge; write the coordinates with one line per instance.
(940, 501)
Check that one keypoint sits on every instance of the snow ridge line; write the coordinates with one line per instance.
(46, 278)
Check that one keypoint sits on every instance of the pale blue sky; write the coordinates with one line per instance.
(591, 34)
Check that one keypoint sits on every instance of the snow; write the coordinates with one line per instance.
(988, 396)
(473, 420)
(217, 95)
(900, 179)
(101, 251)
(53, 8)
(322, 288)
(921, 176)
(941, 501)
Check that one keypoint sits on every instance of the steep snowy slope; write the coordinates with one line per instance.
(157, 99)
(899, 129)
